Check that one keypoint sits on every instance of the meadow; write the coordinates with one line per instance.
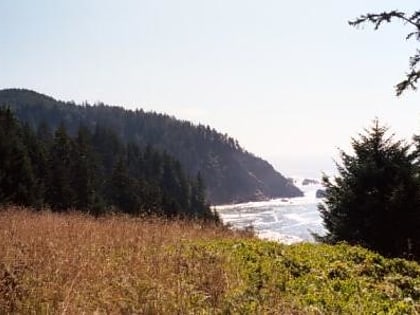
(52, 263)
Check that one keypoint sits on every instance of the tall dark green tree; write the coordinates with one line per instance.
(61, 194)
(198, 198)
(17, 180)
(107, 147)
(176, 189)
(374, 201)
(123, 190)
(37, 153)
(85, 175)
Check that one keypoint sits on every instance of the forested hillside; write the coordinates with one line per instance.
(230, 173)
(93, 172)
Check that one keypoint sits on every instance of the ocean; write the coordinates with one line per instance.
(287, 220)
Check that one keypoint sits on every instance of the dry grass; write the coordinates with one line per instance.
(74, 264)
(71, 264)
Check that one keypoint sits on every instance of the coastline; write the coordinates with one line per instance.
(285, 220)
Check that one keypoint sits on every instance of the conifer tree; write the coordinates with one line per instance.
(85, 174)
(198, 199)
(123, 190)
(60, 193)
(37, 154)
(374, 201)
(17, 180)
(107, 146)
(170, 187)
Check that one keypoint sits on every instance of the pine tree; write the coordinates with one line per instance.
(123, 190)
(107, 147)
(17, 180)
(60, 192)
(37, 154)
(169, 183)
(85, 174)
(374, 201)
(198, 199)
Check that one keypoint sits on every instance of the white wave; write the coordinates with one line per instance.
(253, 204)
(286, 220)
(309, 199)
(276, 218)
(298, 218)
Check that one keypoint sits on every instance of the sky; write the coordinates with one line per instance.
(291, 80)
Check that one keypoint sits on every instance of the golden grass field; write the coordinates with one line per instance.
(72, 263)
(54, 263)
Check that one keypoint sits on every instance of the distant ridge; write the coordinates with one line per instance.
(231, 173)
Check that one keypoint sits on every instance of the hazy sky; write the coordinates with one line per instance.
(289, 79)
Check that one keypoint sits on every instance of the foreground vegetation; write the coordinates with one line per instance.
(71, 263)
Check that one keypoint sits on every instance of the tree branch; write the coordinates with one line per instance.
(414, 20)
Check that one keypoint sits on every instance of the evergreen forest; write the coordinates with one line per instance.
(93, 171)
(231, 173)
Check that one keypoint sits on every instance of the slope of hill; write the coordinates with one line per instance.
(73, 264)
(93, 172)
(231, 173)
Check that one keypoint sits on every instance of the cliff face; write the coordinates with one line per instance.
(231, 173)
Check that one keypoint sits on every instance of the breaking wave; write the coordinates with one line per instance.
(287, 220)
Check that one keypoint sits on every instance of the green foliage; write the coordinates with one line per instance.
(123, 190)
(412, 20)
(231, 174)
(93, 172)
(61, 192)
(313, 278)
(85, 177)
(17, 182)
(120, 265)
(37, 153)
(374, 201)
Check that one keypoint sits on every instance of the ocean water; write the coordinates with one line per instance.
(287, 220)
